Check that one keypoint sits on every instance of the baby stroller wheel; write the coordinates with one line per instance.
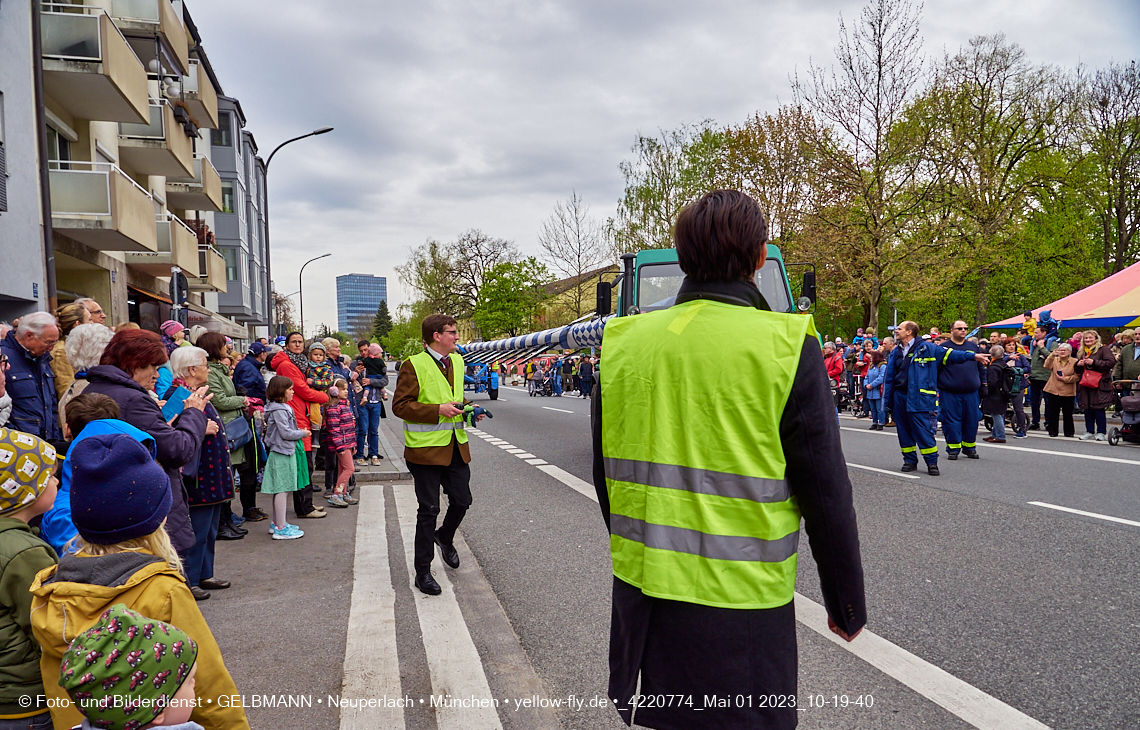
(1114, 436)
(988, 421)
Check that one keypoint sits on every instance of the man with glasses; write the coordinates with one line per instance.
(429, 398)
(98, 316)
(29, 379)
(959, 384)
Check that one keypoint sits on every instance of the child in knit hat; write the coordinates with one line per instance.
(129, 672)
(120, 497)
(27, 489)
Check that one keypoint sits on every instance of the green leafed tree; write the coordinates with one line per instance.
(511, 298)
(382, 321)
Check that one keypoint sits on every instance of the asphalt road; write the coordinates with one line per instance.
(1034, 607)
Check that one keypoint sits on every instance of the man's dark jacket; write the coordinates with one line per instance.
(177, 445)
(697, 650)
(31, 383)
(248, 375)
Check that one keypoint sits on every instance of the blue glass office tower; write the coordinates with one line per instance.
(358, 295)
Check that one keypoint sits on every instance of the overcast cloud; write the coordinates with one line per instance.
(452, 115)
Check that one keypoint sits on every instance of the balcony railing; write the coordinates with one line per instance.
(149, 17)
(99, 204)
(200, 97)
(201, 192)
(153, 129)
(89, 67)
(174, 155)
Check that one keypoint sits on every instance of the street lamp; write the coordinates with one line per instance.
(301, 289)
(268, 267)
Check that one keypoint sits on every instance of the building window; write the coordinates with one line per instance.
(59, 148)
(227, 196)
(230, 255)
(220, 137)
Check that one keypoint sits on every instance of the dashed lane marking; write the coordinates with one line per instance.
(982, 444)
(560, 410)
(1110, 518)
(885, 471)
(578, 485)
(525, 455)
(452, 658)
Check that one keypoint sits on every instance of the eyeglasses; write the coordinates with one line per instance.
(3, 362)
(960, 328)
(450, 332)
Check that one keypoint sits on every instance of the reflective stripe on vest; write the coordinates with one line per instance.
(434, 389)
(700, 510)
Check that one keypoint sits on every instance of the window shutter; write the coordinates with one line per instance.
(3, 181)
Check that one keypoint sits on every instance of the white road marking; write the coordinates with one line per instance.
(513, 450)
(505, 446)
(496, 441)
(1007, 447)
(937, 685)
(536, 462)
(885, 471)
(525, 455)
(452, 658)
(560, 410)
(1087, 514)
(371, 664)
(578, 485)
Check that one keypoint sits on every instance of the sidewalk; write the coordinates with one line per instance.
(391, 467)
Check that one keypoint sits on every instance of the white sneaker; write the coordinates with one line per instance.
(289, 532)
(1087, 437)
(1101, 437)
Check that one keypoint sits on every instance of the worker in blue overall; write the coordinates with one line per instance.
(910, 386)
(959, 386)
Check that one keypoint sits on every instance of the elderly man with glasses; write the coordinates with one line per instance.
(959, 384)
(98, 316)
(29, 379)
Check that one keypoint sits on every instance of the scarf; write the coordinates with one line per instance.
(1090, 352)
(300, 360)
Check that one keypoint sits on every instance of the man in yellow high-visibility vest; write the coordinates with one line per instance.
(714, 433)
(429, 399)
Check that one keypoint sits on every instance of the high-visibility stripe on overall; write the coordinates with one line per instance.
(700, 509)
(434, 389)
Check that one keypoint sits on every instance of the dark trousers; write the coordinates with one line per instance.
(1054, 406)
(247, 477)
(303, 497)
(1019, 424)
(455, 478)
(1095, 420)
(960, 414)
(199, 560)
(1036, 391)
(916, 432)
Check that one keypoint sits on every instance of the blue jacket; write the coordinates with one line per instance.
(31, 383)
(165, 379)
(57, 527)
(875, 375)
(922, 378)
(340, 370)
(248, 375)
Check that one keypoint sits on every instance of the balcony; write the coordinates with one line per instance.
(151, 18)
(89, 68)
(201, 192)
(200, 97)
(97, 204)
(177, 246)
(159, 147)
(211, 271)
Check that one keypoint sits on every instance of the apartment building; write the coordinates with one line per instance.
(130, 102)
(357, 297)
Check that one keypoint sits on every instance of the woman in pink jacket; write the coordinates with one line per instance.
(341, 434)
(293, 363)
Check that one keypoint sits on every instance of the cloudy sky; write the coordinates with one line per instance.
(457, 115)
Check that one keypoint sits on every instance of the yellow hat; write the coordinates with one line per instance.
(26, 462)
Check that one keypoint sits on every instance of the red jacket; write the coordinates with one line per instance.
(340, 425)
(834, 366)
(303, 394)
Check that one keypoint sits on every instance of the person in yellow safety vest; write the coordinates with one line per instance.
(702, 485)
(528, 371)
(429, 398)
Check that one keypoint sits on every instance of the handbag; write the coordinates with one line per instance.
(238, 433)
(1091, 378)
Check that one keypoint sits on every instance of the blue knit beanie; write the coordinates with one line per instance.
(118, 492)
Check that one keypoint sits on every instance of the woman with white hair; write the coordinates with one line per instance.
(1061, 389)
(84, 347)
(209, 483)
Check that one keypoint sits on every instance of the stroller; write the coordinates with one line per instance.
(544, 386)
(1129, 413)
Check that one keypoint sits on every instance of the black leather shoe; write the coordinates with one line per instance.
(448, 552)
(199, 594)
(426, 583)
(213, 584)
(239, 528)
(932, 470)
(952, 457)
(971, 454)
(909, 467)
(1034, 427)
(229, 532)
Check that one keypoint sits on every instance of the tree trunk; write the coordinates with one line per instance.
(982, 308)
(872, 308)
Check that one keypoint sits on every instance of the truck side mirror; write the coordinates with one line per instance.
(808, 288)
(605, 301)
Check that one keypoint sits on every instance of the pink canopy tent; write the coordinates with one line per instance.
(1111, 302)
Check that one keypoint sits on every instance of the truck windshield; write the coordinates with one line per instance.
(658, 285)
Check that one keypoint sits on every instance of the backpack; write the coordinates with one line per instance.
(1009, 381)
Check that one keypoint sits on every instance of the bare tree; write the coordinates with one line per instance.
(1109, 102)
(573, 244)
(474, 254)
(283, 313)
(880, 67)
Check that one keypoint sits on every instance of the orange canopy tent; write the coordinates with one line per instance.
(1111, 302)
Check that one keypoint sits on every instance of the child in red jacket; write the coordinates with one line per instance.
(341, 434)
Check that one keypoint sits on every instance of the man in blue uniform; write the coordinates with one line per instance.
(910, 387)
(958, 386)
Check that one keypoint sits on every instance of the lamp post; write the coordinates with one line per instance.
(268, 268)
(301, 288)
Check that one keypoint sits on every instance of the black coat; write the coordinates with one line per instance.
(995, 401)
(177, 445)
(699, 649)
(1102, 396)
